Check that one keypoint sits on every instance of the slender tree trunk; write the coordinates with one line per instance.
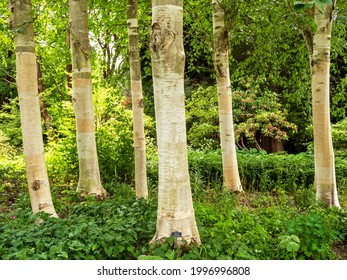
(221, 63)
(325, 179)
(26, 69)
(175, 216)
(137, 101)
(89, 175)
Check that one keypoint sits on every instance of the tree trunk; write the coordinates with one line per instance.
(137, 102)
(325, 179)
(221, 63)
(26, 71)
(89, 175)
(175, 216)
(271, 145)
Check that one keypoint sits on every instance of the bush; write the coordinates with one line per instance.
(258, 170)
(114, 135)
(10, 122)
(339, 133)
(202, 119)
(114, 139)
(61, 147)
(115, 148)
(12, 171)
(264, 172)
(256, 114)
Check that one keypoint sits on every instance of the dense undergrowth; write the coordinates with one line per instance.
(276, 218)
(249, 226)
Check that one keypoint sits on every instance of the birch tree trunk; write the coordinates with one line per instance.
(89, 175)
(175, 215)
(137, 101)
(26, 72)
(325, 179)
(221, 63)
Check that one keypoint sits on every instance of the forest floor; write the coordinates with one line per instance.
(273, 209)
(340, 249)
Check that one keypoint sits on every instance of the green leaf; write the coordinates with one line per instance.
(63, 255)
(290, 242)
(292, 246)
(295, 238)
(54, 249)
(170, 254)
(298, 6)
(108, 251)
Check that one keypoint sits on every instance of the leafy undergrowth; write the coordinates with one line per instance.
(261, 226)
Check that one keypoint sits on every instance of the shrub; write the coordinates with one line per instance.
(114, 135)
(261, 171)
(339, 133)
(202, 119)
(10, 122)
(114, 139)
(258, 170)
(61, 147)
(115, 148)
(12, 171)
(257, 114)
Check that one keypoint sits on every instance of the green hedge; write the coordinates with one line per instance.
(258, 170)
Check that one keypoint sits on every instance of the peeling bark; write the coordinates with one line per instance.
(227, 135)
(89, 175)
(137, 102)
(325, 178)
(175, 206)
(26, 72)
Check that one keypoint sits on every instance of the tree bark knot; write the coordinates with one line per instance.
(140, 104)
(36, 185)
(161, 37)
(43, 206)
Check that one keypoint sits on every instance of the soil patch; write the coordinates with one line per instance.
(340, 248)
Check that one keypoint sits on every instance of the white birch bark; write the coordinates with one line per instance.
(325, 178)
(221, 63)
(175, 206)
(89, 175)
(27, 85)
(137, 102)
